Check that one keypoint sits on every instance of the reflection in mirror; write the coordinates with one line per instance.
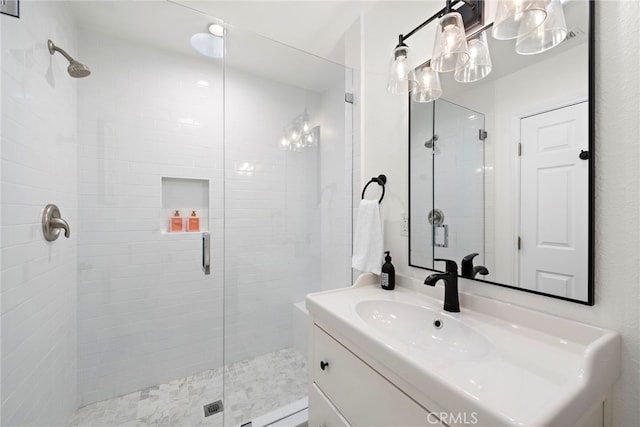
(447, 208)
(519, 198)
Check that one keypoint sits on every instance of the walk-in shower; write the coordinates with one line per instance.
(118, 324)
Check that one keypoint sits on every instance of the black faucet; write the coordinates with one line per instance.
(451, 301)
(467, 269)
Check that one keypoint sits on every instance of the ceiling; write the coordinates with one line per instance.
(308, 26)
(312, 26)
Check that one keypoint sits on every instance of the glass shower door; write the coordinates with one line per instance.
(458, 182)
(150, 165)
(287, 217)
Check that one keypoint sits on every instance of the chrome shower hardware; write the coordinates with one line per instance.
(75, 69)
(52, 223)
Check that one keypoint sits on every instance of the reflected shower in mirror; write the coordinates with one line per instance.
(501, 168)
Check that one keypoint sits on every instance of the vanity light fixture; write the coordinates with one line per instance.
(551, 33)
(538, 25)
(401, 74)
(516, 18)
(450, 51)
(479, 65)
(427, 85)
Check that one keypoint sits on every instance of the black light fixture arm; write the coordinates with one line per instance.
(439, 14)
(448, 6)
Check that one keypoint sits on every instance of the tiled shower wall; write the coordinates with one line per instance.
(281, 218)
(38, 167)
(147, 314)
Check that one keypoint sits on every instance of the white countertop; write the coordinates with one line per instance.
(515, 366)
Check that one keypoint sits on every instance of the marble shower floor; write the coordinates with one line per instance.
(251, 388)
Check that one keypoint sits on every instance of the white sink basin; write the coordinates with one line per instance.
(440, 335)
(508, 364)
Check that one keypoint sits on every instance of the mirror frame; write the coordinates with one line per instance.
(592, 161)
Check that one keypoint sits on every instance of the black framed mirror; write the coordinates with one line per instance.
(503, 168)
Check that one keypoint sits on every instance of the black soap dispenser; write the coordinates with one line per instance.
(388, 273)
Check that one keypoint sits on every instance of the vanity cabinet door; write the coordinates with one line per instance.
(361, 394)
(321, 412)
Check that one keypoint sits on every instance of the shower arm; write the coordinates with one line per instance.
(53, 48)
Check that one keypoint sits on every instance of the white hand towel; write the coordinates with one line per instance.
(367, 241)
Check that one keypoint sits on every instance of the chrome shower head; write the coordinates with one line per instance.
(75, 69)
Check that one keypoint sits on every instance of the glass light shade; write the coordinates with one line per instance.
(479, 64)
(515, 18)
(427, 87)
(551, 33)
(401, 75)
(450, 47)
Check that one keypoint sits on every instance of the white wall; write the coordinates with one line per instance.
(617, 178)
(147, 314)
(39, 282)
(385, 116)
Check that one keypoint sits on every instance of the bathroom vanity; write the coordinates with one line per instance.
(381, 358)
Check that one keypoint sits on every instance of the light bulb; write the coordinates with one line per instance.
(401, 77)
(427, 86)
(546, 36)
(515, 18)
(450, 46)
(479, 65)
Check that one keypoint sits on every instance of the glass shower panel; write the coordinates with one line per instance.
(287, 216)
(423, 149)
(458, 182)
(150, 132)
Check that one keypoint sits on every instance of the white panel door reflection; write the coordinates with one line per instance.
(553, 227)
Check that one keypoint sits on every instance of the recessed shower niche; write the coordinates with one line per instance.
(188, 197)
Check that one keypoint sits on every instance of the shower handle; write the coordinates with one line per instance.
(206, 253)
(52, 223)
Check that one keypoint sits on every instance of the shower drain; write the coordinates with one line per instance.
(213, 408)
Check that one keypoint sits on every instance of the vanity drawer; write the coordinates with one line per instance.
(363, 396)
(321, 412)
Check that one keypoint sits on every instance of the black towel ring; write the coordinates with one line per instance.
(380, 180)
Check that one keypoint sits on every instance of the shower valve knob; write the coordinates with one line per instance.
(324, 365)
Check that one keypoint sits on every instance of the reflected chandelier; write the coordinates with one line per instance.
(299, 135)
